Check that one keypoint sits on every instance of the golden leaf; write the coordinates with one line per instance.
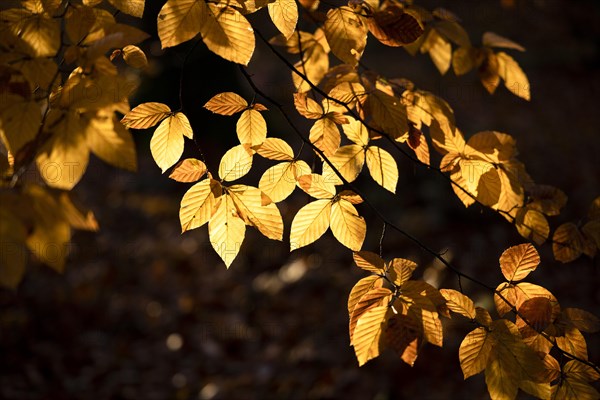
(439, 49)
(400, 270)
(356, 131)
(507, 291)
(40, 32)
(483, 317)
(307, 107)
(131, 7)
(474, 352)
(188, 170)
(389, 114)
(19, 121)
(310, 223)
(350, 196)
(573, 385)
(581, 319)
(279, 181)
(257, 210)
(226, 230)
(77, 216)
(547, 199)
(251, 128)
(347, 93)
(317, 186)
(180, 20)
(537, 311)
(198, 204)
(368, 333)
(110, 141)
(227, 33)
(514, 78)
(464, 60)
(532, 224)
(491, 39)
(369, 261)
(167, 141)
(419, 297)
(518, 261)
(235, 163)
(134, 57)
(325, 135)
(146, 115)
(488, 71)
(346, 34)
(512, 193)
(481, 179)
(459, 303)
(376, 296)
(417, 142)
(567, 242)
(313, 66)
(347, 226)
(361, 287)
(382, 168)
(394, 27)
(446, 138)
(275, 149)
(284, 14)
(348, 161)
(402, 334)
(491, 146)
(38, 71)
(502, 382)
(226, 103)
(573, 342)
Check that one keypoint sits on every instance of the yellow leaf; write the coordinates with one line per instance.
(146, 115)
(446, 138)
(573, 342)
(464, 60)
(134, 57)
(251, 128)
(198, 204)
(38, 71)
(537, 311)
(532, 224)
(351, 196)
(347, 93)
(180, 20)
(325, 135)
(367, 334)
(347, 226)
(257, 210)
(284, 14)
(475, 351)
(440, 50)
(382, 167)
(275, 149)
(40, 32)
(577, 370)
(402, 334)
(236, 162)
(481, 179)
(49, 240)
(361, 288)
(394, 27)
(459, 303)
(491, 39)
(574, 388)
(507, 291)
(356, 131)
(502, 382)
(76, 216)
(346, 34)
(518, 261)
(459, 187)
(347, 160)
(317, 186)
(515, 79)
(167, 141)
(369, 261)
(314, 66)
(310, 223)
(279, 181)
(547, 199)
(582, 320)
(307, 107)
(483, 317)
(131, 7)
(226, 230)
(226, 103)
(399, 270)
(376, 296)
(110, 141)
(19, 121)
(227, 33)
(417, 142)
(567, 242)
(65, 156)
(491, 146)
(512, 193)
(388, 114)
(188, 170)
(418, 297)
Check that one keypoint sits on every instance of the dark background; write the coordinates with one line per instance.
(143, 312)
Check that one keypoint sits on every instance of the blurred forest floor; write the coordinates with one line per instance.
(143, 312)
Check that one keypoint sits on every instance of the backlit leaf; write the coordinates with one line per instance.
(198, 204)
(188, 170)
(310, 223)
(131, 7)
(134, 57)
(582, 320)
(180, 20)
(475, 351)
(236, 162)
(19, 121)
(257, 210)
(399, 270)
(567, 242)
(507, 291)
(518, 261)
(389, 114)
(275, 149)
(226, 230)
(167, 142)
(382, 167)
(356, 131)
(514, 78)
(360, 288)
(348, 161)
(537, 311)
(347, 226)
(346, 34)
(284, 14)
(226, 103)
(439, 50)
(251, 128)
(459, 303)
(368, 333)
(307, 107)
(369, 261)
(279, 181)
(573, 342)
(110, 141)
(227, 33)
(317, 186)
(393, 27)
(325, 135)
(532, 224)
(492, 39)
(146, 115)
